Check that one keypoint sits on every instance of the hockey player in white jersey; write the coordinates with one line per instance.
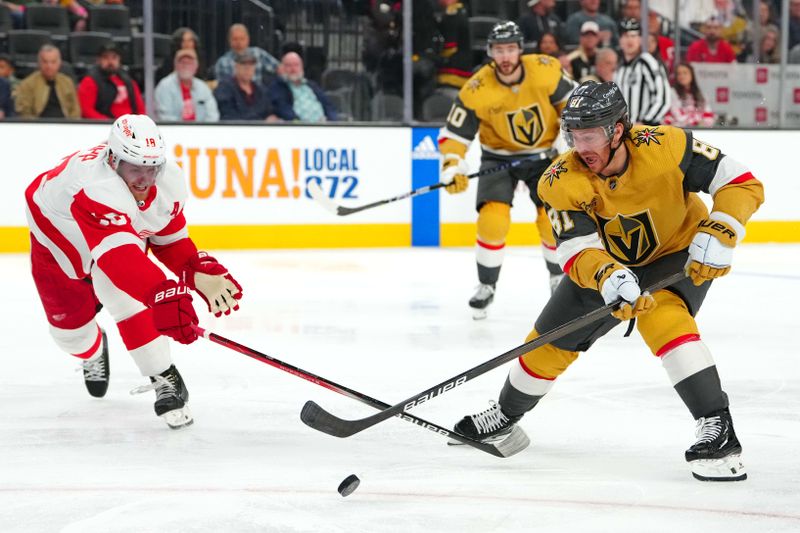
(92, 219)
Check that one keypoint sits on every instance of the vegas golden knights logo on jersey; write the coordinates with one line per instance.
(526, 125)
(629, 239)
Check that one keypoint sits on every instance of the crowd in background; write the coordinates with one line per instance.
(249, 83)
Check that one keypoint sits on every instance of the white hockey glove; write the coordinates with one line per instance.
(213, 283)
(454, 174)
(616, 283)
(711, 250)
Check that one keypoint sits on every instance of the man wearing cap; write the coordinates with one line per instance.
(540, 19)
(180, 96)
(107, 92)
(590, 10)
(239, 98)
(641, 77)
(582, 59)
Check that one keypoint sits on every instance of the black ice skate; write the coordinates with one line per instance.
(480, 301)
(716, 456)
(171, 398)
(494, 427)
(96, 371)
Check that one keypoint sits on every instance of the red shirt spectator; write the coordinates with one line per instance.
(107, 92)
(712, 49)
(701, 52)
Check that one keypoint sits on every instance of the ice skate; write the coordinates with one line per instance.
(96, 371)
(171, 398)
(492, 426)
(716, 456)
(481, 300)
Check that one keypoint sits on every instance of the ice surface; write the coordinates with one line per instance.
(607, 443)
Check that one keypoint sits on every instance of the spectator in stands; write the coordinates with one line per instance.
(664, 45)
(769, 51)
(688, 107)
(47, 93)
(78, 15)
(107, 91)
(794, 23)
(6, 102)
(183, 97)
(182, 38)
(605, 64)
(540, 19)
(7, 71)
(766, 16)
(239, 98)
(296, 98)
(713, 48)
(590, 11)
(548, 45)
(17, 12)
(239, 41)
(631, 9)
(454, 64)
(733, 24)
(582, 59)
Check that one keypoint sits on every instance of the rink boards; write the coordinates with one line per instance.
(247, 184)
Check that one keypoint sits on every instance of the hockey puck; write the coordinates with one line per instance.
(349, 485)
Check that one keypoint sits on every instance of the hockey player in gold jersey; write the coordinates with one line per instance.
(624, 208)
(513, 105)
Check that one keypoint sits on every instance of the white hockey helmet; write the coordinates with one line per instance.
(135, 139)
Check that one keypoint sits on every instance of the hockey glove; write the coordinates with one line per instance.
(213, 283)
(616, 283)
(454, 174)
(173, 314)
(711, 250)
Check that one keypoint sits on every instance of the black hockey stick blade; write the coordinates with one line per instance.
(504, 449)
(318, 418)
(318, 195)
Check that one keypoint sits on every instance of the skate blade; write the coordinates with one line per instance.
(728, 468)
(479, 314)
(178, 418)
(509, 444)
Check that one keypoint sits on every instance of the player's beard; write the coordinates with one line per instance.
(508, 68)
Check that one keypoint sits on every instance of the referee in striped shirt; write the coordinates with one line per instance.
(642, 78)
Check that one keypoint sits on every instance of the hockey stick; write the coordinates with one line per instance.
(316, 192)
(497, 451)
(318, 418)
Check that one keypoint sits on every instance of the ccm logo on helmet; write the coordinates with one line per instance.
(169, 293)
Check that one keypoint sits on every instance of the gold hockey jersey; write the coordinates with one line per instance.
(512, 119)
(649, 210)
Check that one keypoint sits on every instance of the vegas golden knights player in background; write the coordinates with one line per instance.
(513, 104)
(625, 213)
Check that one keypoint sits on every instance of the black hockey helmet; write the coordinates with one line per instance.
(627, 25)
(594, 105)
(503, 32)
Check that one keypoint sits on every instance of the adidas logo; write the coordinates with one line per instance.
(425, 149)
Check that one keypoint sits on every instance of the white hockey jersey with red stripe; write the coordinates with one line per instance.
(84, 213)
